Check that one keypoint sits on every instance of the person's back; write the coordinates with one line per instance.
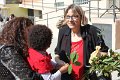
(14, 50)
(4, 72)
(39, 40)
(13, 66)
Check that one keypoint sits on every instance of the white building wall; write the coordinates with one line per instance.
(68, 2)
(2, 1)
(102, 4)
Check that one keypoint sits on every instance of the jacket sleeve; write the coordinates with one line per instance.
(98, 39)
(91, 40)
(58, 47)
(14, 62)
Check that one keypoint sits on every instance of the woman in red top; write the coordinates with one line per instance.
(39, 40)
(76, 35)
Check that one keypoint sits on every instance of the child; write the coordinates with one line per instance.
(39, 40)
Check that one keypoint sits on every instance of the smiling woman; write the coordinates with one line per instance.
(76, 35)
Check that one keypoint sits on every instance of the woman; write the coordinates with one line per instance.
(14, 50)
(76, 35)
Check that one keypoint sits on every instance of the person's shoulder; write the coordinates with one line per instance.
(6, 47)
(64, 28)
(91, 28)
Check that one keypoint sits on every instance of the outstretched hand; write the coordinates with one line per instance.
(64, 68)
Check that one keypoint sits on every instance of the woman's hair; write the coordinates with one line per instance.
(39, 37)
(15, 33)
(78, 11)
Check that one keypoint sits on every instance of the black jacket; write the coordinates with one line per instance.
(12, 65)
(91, 37)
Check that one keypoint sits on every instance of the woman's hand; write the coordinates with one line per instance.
(58, 61)
(64, 68)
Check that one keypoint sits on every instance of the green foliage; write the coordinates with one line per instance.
(74, 60)
(70, 69)
(106, 64)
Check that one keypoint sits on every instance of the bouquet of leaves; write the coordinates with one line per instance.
(104, 65)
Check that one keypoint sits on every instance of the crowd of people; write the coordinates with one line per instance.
(23, 46)
(4, 21)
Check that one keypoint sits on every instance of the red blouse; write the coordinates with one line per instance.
(78, 70)
(39, 62)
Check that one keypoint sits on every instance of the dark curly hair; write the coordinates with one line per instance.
(39, 37)
(15, 33)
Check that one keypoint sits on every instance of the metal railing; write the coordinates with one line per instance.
(89, 9)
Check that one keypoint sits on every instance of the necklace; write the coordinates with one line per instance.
(75, 37)
(76, 34)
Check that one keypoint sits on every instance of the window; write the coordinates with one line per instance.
(40, 14)
(13, 1)
(31, 14)
(59, 4)
(80, 2)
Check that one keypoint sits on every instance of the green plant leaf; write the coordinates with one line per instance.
(70, 69)
(119, 57)
(107, 60)
(118, 66)
(106, 74)
(114, 63)
(111, 52)
(77, 63)
(75, 58)
(72, 55)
